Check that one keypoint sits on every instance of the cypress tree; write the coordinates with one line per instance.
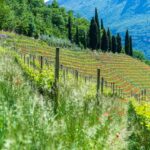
(119, 44)
(93, 35)
(131, 48)
(98, 26)
(114, 44)
(102, 25)
(96, 18)
(70, 28)
(77, 36)
(85, 41)
(127, 43)
(104, 42)
(109, 40)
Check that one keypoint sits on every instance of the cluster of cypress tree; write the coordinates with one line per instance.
(80, 37)
(103, 39)
(98, 38)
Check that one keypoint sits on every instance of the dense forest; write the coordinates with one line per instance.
(33, 18)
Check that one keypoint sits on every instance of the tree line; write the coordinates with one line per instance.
(33, 18)
(97, 38)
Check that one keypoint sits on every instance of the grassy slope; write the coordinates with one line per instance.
(26, 121)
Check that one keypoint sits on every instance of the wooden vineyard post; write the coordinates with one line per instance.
(33, 61)
(116, 88)
(113, 88)
(64, 75)
(41, 63)
(66, 72)
(145, 94)
(57, 65)
(119, 90)
(28, 61)
(24, 58)
(76, 75)
(111, 85)
(102, 85)
(142, 94)
(56, 88)
(98, 84)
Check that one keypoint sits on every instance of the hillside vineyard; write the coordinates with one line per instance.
(129, 75)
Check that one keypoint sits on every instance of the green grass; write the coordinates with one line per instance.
(27, 120)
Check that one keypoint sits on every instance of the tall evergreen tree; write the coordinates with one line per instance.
(97, 18)
(98, 26)
(119, 44)
(77, 36)
(102, 25)
(114, 44)
(131, 48)
(127, 43)
(109, 40)
(85, 41)
(104, 42)
(93, 34)
(70, 28)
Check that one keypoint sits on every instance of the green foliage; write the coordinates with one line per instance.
(104, 41)
(77, 36)
(102, 25)
(33, 18)
(127, 43)
(42, 79)
(139, 125)
(69, 28)
(93, 34)
(139, 55)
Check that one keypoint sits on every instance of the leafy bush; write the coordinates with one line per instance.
(43, 79)
(139, 55)
(139, 125)
(59, 42)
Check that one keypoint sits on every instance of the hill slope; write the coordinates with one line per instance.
(128, 74)
(119, 15)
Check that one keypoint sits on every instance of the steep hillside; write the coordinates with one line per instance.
(119, 15)
(129, 75)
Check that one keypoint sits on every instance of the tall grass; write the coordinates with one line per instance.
(27, 120)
